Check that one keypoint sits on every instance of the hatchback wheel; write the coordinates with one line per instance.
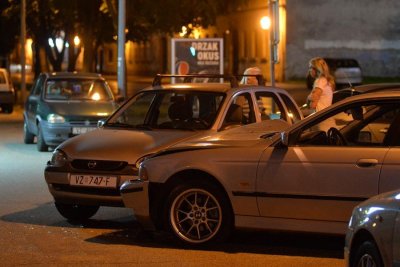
(28, 136)
(75, 212)
(41, 144)
(199, 213)
(367, 255)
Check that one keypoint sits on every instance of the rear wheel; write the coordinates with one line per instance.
(28, 136)
(41, 144)
(75, 212)
(199, 213)
(367, 255)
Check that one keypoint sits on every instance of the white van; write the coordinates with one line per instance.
(7, 94)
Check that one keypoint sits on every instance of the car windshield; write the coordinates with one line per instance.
(169, 110)
(77, 89)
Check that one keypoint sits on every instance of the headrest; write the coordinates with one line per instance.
(180, 111)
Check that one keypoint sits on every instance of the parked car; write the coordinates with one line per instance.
(373, 236)
(63, 105)
(7, 93)
(86, 172)
(362, 89)
(307, 178)
(347, 72)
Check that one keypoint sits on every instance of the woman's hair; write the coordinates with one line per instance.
(250, 71)
(322, 69)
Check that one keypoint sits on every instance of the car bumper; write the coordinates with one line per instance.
(61, 190)
(135, 195)
(7, 98)
(55, 134)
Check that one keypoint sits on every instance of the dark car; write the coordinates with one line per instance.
(7, 93)
(62, 105)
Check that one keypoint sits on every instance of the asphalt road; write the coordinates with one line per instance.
(34, 234)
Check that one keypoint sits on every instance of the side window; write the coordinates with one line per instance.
(269, 106)
(240, 111)
(291, 107)
(356, 125)
(37, 87)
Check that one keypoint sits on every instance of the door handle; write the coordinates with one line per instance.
(363, 163)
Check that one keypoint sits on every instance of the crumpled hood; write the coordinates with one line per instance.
(249, 135)
(124, 145)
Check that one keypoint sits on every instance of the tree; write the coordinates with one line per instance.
(95, 22)
(9, 19)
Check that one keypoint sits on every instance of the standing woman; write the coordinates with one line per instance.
(324, 84)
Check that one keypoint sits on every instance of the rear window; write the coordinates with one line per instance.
(341, 63)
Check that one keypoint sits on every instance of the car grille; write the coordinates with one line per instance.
(86, 123)
(98, 165)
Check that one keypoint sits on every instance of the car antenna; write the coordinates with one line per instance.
(348, 81)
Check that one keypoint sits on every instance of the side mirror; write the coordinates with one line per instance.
(100, 123)
(119, 98)
(285, 139)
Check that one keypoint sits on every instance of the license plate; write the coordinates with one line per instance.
(82, 130)
(93, 180)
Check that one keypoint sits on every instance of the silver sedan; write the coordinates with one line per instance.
(373, 236)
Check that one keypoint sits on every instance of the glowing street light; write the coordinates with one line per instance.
(77, 41)
(265, 23)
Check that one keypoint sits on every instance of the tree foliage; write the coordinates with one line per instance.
(95, 21)
(9, 22)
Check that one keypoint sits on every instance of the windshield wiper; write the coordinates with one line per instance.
(269, 135)
(118, 124)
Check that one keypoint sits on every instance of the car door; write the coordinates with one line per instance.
(390, 175)
(316, 177)
(33, 102)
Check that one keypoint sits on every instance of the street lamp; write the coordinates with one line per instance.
(265, 23)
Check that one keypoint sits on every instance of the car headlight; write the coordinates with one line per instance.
(59, 158)
(54, 118)
(140, 160)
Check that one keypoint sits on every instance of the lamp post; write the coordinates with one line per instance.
(23, 41)
(271, 23)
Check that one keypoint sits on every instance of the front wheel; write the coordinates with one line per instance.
(28, 136)
(75, 212)
(367, 254)
(199, 213)
(41, 143)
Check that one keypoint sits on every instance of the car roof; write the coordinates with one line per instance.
(213, 87)
(375, 87)
(79, 75)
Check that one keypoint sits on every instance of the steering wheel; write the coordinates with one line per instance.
(335, 137)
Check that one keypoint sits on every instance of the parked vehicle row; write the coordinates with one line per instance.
(175, 155)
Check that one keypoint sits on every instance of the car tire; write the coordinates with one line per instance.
(367, 254)
(198, 213)
(75, 212)
(28, 136)
(41, 144)
(8, 108)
